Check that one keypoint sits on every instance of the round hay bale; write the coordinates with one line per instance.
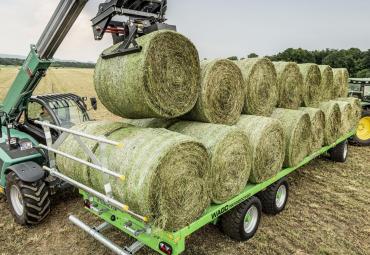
(290, 84)
(317, 118)
(341, 77)
(260, 86)
(333, 120)
(77, 170)
(346, 117)
(356, 110)
(222, 94)
(164, 174)
(327, 82)
(266, 137)
(230, 154)
(298, 134)
(160, 81)
(312, 92)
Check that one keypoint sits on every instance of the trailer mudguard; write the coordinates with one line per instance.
(28, 171)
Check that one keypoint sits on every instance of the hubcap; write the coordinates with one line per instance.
(280, 196)
(363, 129)
(16, 200)
(250, 219)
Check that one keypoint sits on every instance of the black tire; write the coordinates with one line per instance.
(355, 140)
(34, 200)
(275, 197)
(340, 152)
(232, 222)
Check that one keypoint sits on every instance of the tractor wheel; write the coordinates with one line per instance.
(362, 136)
(29, 202)
(340, 152)
(274, 197)
(241, 223)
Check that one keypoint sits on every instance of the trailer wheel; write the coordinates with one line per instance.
(29, 202)
(340, 152)
(241, 223)
(274, 197)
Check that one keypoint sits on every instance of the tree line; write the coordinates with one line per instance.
(356, 61)
(18, 62)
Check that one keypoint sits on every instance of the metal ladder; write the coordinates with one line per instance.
(98, 165)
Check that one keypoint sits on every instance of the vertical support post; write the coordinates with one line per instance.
(104, 163)
(49, 143)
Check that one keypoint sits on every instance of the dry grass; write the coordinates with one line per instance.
(327, 213)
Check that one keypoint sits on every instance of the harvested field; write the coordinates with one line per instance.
(327, 213)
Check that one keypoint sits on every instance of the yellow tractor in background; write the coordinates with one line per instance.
(360, 88)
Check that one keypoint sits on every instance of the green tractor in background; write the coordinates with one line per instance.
(360, 88)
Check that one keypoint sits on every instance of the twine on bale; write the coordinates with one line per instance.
(317, 118)
(327, 82)
(311, 92)
(266, 137)
(230, 154)
(290, 84)
(340, 77)
(222, 93)
(333, 120)
(298, 134)
(160, 81)
(260, 86)
(164, 174)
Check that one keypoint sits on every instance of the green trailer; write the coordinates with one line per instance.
(238, 218)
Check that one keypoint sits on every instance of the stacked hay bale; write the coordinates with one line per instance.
(260, 86)
(222, 93)
(311, 93)
(346, 116)
(317, 118)
(298, 134)
(230, 157)
(161, 81)
(327, 82)
(290, 85)
(266, 137)
(169, 186)
(356, 110)
(341, 77)
(333, 120)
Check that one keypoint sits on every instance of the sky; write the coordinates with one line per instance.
(218, 28)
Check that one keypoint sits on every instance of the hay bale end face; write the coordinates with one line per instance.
(317, 118)
(290, 84)
(168, 186)
(230, 155)
(161, 81)
(340, 76)
(260, 81)
(266, 137)
(346, 116)
(298, 134)
(311, 92)
(327, 82)
(222, 93)
(356, 110)
(333, 120)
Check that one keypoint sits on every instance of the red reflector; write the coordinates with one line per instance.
(165, 248)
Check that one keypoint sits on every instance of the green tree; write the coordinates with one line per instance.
(253, 55)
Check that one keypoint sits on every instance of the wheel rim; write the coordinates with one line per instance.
(17, 200)
(363, 129)
(345, 151)
(280, 196)
(251, 219)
